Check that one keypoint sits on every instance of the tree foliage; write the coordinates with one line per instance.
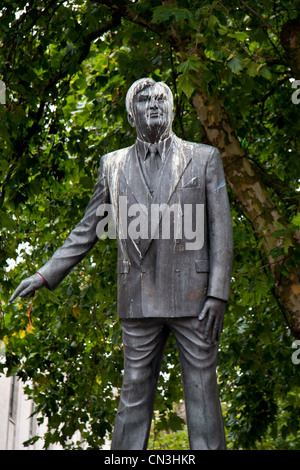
(66, 67)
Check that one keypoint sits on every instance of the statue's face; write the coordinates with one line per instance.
(153, 113)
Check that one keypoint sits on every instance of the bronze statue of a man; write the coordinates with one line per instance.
(170, 279)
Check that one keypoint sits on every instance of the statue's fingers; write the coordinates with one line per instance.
(219, 329)
(26, 293)
(30, 294)
(203, 313)
(215, 332)
(12, 298)
(17, 292)
(208, 326)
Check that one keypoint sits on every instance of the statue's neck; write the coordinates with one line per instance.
(152, 137)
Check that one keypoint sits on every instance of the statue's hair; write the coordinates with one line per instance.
(140, 85)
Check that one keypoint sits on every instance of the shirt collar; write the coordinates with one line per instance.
(162, 147)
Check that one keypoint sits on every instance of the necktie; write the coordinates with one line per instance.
(152, 161)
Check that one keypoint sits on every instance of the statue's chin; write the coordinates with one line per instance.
(154, 132)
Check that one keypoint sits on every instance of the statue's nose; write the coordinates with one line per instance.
(153, 102)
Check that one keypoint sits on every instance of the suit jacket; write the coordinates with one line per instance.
(159, 275)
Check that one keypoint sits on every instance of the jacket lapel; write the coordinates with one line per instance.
(172, 170)
(170, 173)
(135, 179)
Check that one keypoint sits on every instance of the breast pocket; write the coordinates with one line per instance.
(193, 182)
(188, 195)
(192, 202)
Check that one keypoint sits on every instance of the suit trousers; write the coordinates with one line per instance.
(144, 342)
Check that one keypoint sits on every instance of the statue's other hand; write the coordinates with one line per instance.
(28, 287)
(214, 309)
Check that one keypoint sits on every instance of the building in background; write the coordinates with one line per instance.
(16, 423)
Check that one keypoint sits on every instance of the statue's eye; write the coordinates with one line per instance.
(143, 98)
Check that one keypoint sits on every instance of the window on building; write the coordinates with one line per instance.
(13, 399)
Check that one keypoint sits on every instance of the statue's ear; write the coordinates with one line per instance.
(131, 120)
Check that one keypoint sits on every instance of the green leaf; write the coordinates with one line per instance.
(235, 64)
(212, 22)
(165, 13)
(222, 29)
(252, 69)
(192, 63)
(265, 72)
(287, 243)
(162, 13)
(239, 35)
(185, 85)
(296, 220)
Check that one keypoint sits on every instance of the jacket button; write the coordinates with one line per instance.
(177, 270)
(143, 270)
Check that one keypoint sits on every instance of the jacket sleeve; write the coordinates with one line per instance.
(81, 239)
(219, 228)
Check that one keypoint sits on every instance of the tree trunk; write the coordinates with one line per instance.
(290, 39)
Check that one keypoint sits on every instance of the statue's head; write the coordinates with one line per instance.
(150, 109)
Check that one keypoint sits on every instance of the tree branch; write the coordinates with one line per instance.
(260, 17)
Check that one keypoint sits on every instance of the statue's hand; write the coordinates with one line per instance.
(214, 309)
(28, 287)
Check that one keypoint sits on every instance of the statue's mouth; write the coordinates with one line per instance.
(155, 114)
